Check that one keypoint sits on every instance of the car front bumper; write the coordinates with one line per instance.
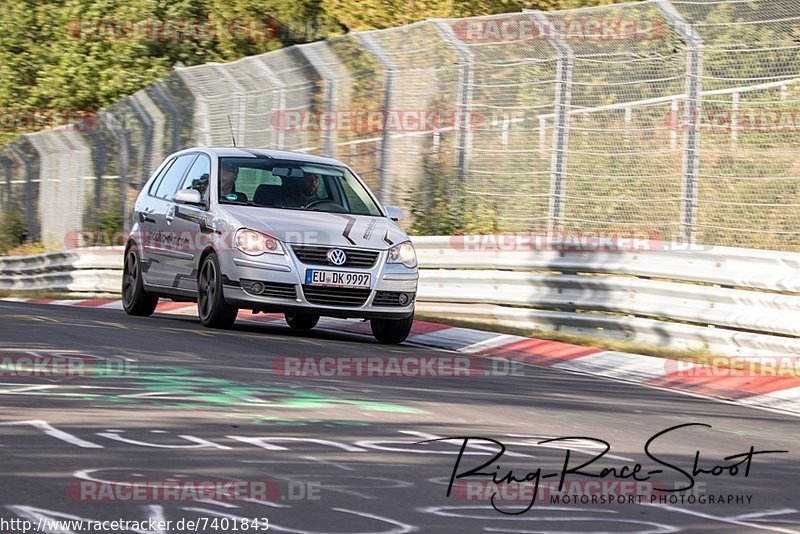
(284, 290)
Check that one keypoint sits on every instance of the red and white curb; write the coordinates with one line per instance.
(779, 393)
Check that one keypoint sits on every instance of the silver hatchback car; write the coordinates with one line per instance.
(269, 231)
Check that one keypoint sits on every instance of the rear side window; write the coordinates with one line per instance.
(169, 184)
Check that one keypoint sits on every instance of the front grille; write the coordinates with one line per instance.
(390, 298)
(336, 296)
(272, 289)
(315, 255)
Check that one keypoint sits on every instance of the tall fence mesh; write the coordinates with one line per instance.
(672, 116)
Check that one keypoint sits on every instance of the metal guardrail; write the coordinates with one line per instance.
(82, 271)
(727, 300)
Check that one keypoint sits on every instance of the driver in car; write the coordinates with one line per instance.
(300, 193)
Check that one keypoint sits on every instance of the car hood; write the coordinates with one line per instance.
(309, 227)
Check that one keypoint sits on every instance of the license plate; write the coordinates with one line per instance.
(316, 277)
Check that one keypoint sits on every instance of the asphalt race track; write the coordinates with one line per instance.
(339, 453)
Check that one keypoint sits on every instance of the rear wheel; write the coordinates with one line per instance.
(135, 299)
(214, 312)
(392, 331)
(301, 321)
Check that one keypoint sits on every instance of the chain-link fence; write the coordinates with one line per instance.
(669, 116)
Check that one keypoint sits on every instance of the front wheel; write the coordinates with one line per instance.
(301, 321)
(214, 312)
(135, 300)
(392, 331)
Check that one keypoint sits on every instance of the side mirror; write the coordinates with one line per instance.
(394, 213)
(188, 196)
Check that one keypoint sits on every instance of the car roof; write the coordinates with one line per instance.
(248, 152)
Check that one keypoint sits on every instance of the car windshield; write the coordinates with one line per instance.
(298, 185)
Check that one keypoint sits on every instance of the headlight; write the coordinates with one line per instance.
(403, 253)
(255, 243)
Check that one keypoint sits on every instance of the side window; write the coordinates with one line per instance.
(323, 191)
(169, 184)
(355, 199)
(197, 177)
(250, 178)
(157, 181)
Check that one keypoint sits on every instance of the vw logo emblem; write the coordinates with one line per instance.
(336, 256)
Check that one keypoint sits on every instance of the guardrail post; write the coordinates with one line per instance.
(465, 87)
(385, 186)
(691, 154)
(563, 101)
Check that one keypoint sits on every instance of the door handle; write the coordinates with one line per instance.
(145, 215)
(170, 214)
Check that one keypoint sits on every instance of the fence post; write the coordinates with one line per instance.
(465, 87)
(99, 169)
(734, 118)
(328, 76)
(8, 199)
(385, 187)
(175, 116)
(275, 81)
(124, 138)
(691, 154)
(563, 101)
(147, 125)
(31, 218)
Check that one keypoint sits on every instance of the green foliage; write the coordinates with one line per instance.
(69, 55)
(108, 219)
(13, 230)
(444, 209)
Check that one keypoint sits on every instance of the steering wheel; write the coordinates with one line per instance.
(336, 208)
(318, 201)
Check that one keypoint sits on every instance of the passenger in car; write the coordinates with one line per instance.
(227, 182)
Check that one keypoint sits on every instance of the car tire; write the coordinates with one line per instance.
(212, 309)
(135, 299)
(301, 321)
(392, 331)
